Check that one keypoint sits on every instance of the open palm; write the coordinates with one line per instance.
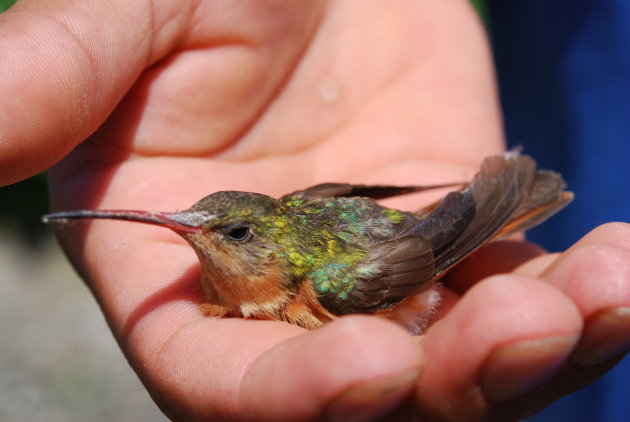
(186, 98)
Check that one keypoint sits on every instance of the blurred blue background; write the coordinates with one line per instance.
(564, 75)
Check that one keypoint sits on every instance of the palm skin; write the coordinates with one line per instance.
(271, 99)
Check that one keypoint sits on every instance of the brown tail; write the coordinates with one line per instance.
(507, 195)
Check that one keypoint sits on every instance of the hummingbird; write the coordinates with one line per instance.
(316, 254)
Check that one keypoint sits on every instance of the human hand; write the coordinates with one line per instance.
(271, 97)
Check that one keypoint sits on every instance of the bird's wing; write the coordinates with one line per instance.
(392, 267)
(508, 194)
(395, 269)
(332, 190)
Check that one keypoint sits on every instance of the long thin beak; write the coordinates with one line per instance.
(169, 220)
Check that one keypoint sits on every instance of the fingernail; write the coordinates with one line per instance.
(371, 400)
(513, 370)
(606, 334)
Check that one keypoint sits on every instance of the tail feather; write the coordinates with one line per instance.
(546, 198)
(507, 195)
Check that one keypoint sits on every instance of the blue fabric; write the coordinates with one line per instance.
(564, 75)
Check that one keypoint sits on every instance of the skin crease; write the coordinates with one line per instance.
(185, 98)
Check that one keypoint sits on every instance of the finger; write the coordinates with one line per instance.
(614, 234)
(82, 58)
(357, 368)
(194, 371)
(504, 338)
(595, 272)
(234, 369)
(595, 275)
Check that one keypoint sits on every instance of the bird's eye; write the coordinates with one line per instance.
(238, 234)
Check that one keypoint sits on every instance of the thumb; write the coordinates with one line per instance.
(66, 65)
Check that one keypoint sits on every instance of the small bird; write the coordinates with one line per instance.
(331, 250)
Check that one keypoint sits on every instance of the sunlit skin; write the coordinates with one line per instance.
(183, 98)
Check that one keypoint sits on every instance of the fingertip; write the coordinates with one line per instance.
(506, 327)
(347, 362)
(513, 370)
(594, 276)
(614, 234)
(517, 305)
